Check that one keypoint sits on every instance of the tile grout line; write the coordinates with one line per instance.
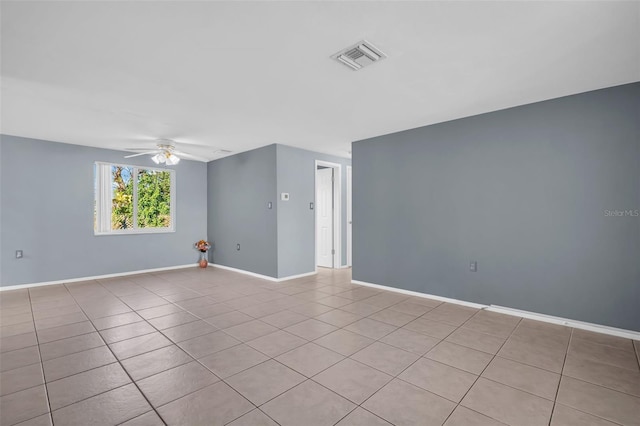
(118, 361)
(44, 378)
(483, 370)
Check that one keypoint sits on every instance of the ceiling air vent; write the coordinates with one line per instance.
(359, 55)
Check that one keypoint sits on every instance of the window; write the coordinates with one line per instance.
(131, 199)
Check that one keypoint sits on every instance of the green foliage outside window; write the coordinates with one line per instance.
(153, 193)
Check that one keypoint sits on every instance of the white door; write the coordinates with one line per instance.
(324, 217)
(349, 215)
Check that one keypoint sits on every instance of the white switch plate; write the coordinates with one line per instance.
(284, 196)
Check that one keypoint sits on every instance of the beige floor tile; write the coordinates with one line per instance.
(276, 343)
(159, 311)
(233, 360)
(362, 417)
(65, 331)
(81, 386)
(20, 379)
(527, 352)
(68, 365)
(403, 404)
(253, 418)
(147, 419)
(250, 330)
(567, 416)
(138, 302)
(371, 328)
(50, 313)
(334, 301)
(309, 359)
(311, 309)
(202, 346)
(19, 358)
(534, 380)
(361, 308)
(310, 329)
(353, 380)
(6, 320)
(435, 329)
(441, 379)
(462, 416)
(410, 308)
(386, 358)
(338, 318)
(585, 349)
(603, 339)
(123, 332)
(154, 362)
(60, 320)
(344, 342)
(116, 320)
(24, 405)
(139, 345)
(410, 341)
(507, 404)
(447, 313)
(609, 376)
(71, 345)
(308, 404)
(492, 323)
(265, 381)
(16, 329)
(175, 383)
(460, 357)
(43, 420)
(229, 319)
(21, 341)
(476, 340)
(392, 317)
(188, 331)
(113, 407)
(172, 320)
(601, 402)
(284, 319)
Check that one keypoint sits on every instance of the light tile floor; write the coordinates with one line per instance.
(212, 347)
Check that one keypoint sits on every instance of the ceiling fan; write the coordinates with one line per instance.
(165, 153)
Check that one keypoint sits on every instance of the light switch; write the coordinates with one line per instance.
(284, 196)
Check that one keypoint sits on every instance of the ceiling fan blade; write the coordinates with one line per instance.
(141, 153)
(140, 149)
(189, 156)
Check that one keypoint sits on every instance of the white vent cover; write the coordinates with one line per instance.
(359, 55)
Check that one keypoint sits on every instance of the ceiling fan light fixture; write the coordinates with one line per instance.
(158, 158)
(172, 160)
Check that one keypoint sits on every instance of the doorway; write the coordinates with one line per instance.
(349, 216)
(328, 242)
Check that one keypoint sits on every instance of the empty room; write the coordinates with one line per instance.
(320, 213)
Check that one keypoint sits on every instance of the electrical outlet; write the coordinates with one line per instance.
(19, 254)
(238, 247)
(473, 266)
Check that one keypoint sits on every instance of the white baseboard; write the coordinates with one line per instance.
(418, 294)
(597, 328)
(96, 277)
(264, 277)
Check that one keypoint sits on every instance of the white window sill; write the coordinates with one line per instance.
(136, 231)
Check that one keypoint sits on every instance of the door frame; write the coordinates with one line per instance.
(349, 217)
(337, 212)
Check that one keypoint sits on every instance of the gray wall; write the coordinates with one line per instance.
(239, 188)
(296, 222)
(522, 191)
(47, 198)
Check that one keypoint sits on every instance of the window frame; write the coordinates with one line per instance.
(103, 200)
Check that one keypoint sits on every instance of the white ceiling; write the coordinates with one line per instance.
(240, 75)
